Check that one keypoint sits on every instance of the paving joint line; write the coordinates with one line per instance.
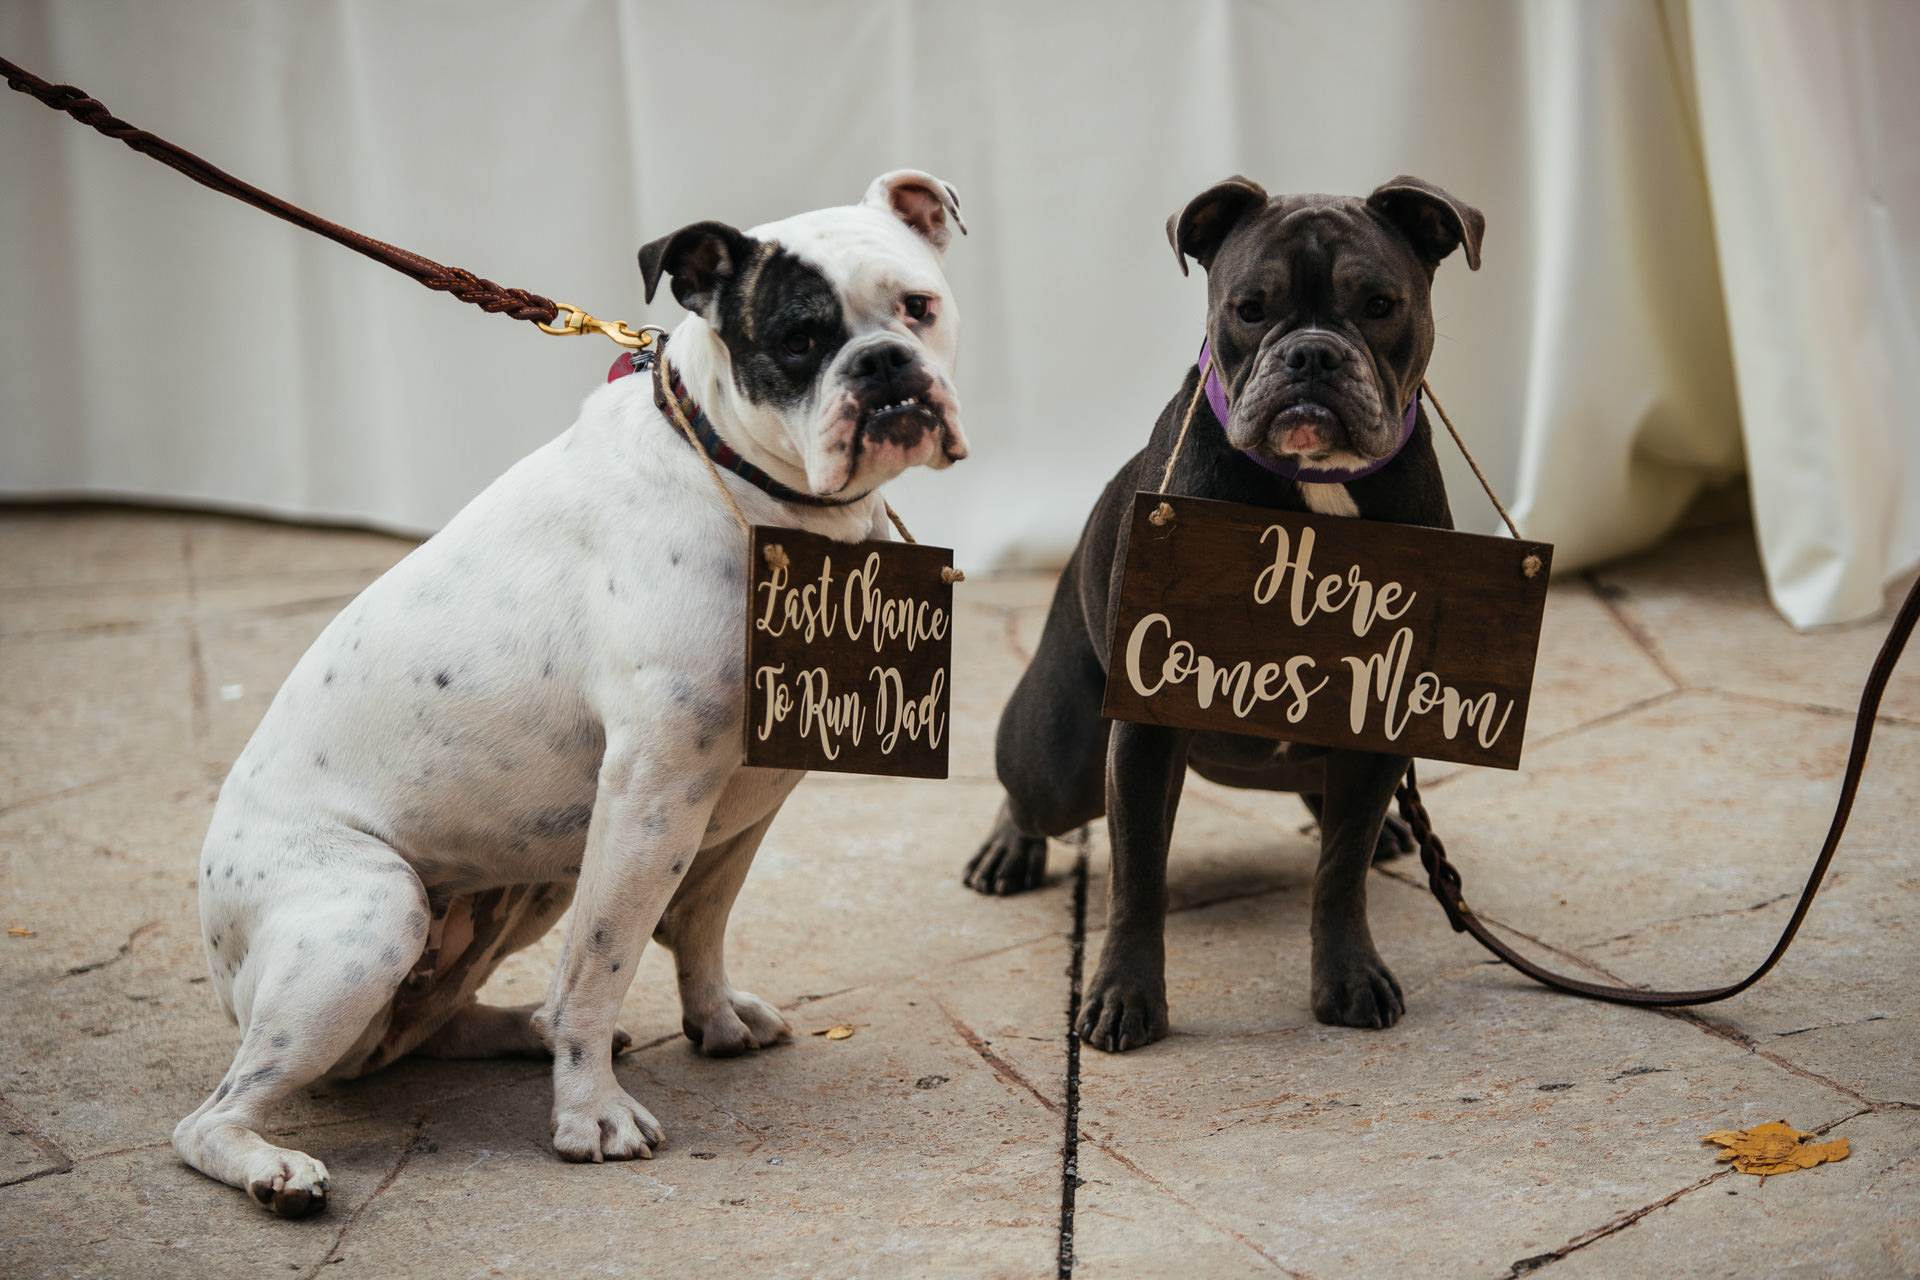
(1070, 1179)
(1762, 905)
(1811, 708)
(1739, 1039)
(412, 1143)
(20, 1125)
(1000, 1067)
(1070, 1142)
(126, 949)
(1598, 722)
(1742, 1040)
(1540, 1261)
(66, 793)
(1113, 1152)
(1639, 634)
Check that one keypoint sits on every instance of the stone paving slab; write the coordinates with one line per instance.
(1681, 811)
(1861, 1222)
(1700, 605)
(1682, 758)
(819, 1157)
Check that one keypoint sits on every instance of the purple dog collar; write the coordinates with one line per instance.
(1217, 401)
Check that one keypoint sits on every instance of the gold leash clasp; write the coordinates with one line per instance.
(575, 322)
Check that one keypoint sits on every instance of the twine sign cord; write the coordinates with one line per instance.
(1478, 474)
(1163, 514)
(1186, 424)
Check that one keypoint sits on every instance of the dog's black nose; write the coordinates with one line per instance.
(1310, 358)
(879, 366)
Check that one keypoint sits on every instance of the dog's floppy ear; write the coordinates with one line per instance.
(1434, 221)
(1198, 230)
(698, 257)
(922, 201)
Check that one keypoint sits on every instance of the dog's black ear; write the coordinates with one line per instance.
(1434, 221)
(1198, 230)
(697, 257)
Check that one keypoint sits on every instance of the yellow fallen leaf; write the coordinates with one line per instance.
(21, 931)
(1774, 1148)
(840, 1032)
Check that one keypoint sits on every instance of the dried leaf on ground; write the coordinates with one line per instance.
(1773, 1148)
(840, 1032)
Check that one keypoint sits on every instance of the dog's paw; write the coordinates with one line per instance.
(744, 1022)
(1008, 863)
(291, 1183)
(1119, 1014)
(1361, 993)
(1396, 840)
(613, 1128)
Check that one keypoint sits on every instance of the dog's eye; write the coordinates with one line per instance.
(1379, 305)
(797, 343)
(1251, 312)
(917, 305)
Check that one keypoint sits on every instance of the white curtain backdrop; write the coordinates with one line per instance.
(1702, 256)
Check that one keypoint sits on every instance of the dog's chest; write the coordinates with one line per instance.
(1329, 500)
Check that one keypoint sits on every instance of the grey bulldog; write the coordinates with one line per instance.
(1319, 327)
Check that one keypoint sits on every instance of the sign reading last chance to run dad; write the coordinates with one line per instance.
(1326, 630)
(849, 649)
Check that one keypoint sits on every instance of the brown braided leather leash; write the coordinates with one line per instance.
(1444, 879)
(461, 283)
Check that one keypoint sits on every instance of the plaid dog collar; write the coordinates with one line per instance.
(722, 453)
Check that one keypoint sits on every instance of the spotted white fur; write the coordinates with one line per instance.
(540, 705)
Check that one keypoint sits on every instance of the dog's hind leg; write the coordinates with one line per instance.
(720, 1020)
(313, 991)
(487, 1031)
(479, 1030)
(1050, 752)
(1009, 860)
(1396, 837)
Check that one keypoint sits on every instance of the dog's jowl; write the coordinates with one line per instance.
(543, 704)
(1319, 326)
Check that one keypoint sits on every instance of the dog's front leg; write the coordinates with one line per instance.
(643, 836)
(1351, 984)
(1126, 1001)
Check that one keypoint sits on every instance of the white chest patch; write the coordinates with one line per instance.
(1330, 499)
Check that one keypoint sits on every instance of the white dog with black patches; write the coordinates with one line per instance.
(542, 704)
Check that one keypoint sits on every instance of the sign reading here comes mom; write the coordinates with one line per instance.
(1326, 630)
(849, 652)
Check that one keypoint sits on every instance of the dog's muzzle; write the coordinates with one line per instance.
(897, 404)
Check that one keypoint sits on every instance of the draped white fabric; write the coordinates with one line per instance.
(1703, 233)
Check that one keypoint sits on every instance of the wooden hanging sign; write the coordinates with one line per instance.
(849, 655)
(1326, 630)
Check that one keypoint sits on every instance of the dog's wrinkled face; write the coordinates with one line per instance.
(838, 328)
(1318, 310)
